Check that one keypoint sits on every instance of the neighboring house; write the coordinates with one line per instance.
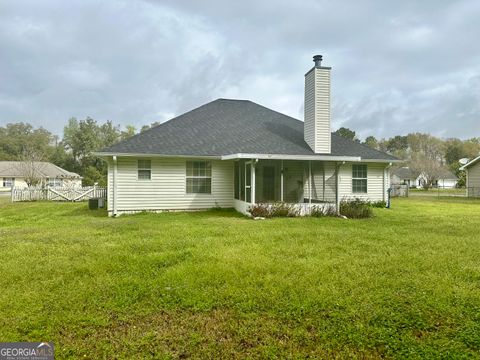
(13, 174)
(446, 180)
(472, 170)
(405, 176)
(234, 153)
(414, 179)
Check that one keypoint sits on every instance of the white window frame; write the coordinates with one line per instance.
(192, 176)
(144, 166)
(8, 182)
(354, 178)
(54, 182)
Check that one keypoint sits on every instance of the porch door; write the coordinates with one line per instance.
(268, 183)
(248, 182)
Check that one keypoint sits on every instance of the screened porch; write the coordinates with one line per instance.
(289, 181)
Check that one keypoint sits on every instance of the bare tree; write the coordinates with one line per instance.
(31, 165)
(429, 169)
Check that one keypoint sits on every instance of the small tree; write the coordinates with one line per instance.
(31, 165)
(430, 169)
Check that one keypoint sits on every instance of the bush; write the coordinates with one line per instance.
(284, 210)
(321, 211)
(260, 210)
(378, 204)
(356, 209)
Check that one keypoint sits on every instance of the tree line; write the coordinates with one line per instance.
(424, 153)
(74, 152)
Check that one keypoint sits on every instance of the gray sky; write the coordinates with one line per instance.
(398, 66)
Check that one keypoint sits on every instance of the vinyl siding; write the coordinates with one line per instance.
(473, 180)
(322, 111)
(309, 119)
(317, 132)
(167, 188)
(377, 182)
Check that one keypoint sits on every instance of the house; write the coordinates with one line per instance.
(234, 153)
(405, 176)
(472, 170)
(412, 178)
(446, 180)
(17, 173)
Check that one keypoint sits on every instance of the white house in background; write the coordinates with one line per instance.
(234, 153)
(13, 173)
(472, 170)
(407, 176)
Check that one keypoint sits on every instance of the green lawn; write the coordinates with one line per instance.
(438, 192)
(405, 284)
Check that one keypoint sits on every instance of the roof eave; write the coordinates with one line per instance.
(110, 154)
(467, 165)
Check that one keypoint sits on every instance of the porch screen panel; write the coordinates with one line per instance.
(293, 191)
(267, 181)
(236, 180)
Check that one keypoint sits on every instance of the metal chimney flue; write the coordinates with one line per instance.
(318, 60)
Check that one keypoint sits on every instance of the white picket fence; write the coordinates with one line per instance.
(58, 194)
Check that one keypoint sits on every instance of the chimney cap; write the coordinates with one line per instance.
(317, 59)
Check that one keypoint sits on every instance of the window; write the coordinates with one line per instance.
(55, 183)
(144, 169)
(199, 177)
(359, 178)
(8, 182)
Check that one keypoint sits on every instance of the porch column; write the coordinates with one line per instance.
(310, 182)
(337, 188)
(281, 181)
(252, 187)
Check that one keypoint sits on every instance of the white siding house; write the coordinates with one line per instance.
(472, 170)
(235, 153)
(166, 188)
(13, 174)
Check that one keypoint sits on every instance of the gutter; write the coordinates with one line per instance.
(108, 154)
(290, 157)
(253, 156)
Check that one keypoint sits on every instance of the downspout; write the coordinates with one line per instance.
(114, 185)
(385, 180)
(389, 190)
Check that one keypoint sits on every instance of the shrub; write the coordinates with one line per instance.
(378, 204)
(356, 209)
(260, 210)
(321, 211)
(284, 210)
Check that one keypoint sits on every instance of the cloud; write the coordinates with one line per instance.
(398, 67)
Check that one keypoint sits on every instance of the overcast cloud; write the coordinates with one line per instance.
(398, 67)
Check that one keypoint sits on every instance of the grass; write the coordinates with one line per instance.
(438, 192)
(404, 284)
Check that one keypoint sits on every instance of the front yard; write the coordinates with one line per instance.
(405, 284)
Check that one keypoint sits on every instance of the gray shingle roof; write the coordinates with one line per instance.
(44, 169)
(224, 127)
(405, 173)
